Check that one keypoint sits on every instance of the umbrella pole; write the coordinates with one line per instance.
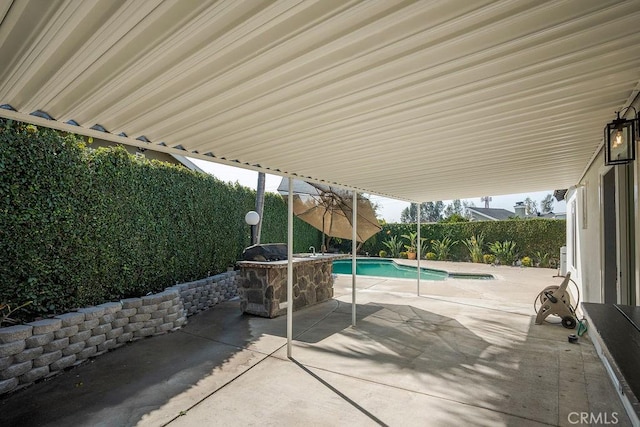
(323, 247)
(354, 244)
(290, 272)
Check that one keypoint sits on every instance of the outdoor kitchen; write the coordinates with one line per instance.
(263, 279)
(263, 269)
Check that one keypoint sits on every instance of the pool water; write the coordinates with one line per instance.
(388, 268)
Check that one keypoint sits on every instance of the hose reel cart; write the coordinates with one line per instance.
(556, 300)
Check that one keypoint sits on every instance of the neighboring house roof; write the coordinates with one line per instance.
(151, 154)
(187, 163)
(552, 215)
(491, 214)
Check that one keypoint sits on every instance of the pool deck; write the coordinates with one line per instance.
(465, 352)
(526, 281)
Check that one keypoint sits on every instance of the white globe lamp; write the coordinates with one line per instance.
(252, 218)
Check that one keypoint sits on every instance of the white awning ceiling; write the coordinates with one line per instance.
(419, 100)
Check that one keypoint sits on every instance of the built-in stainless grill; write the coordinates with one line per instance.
(265, 252)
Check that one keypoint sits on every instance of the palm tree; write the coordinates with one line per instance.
(259, 207)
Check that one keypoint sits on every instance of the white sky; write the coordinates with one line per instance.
(390, 208)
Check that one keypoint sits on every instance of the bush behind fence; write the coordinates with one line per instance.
(531, 236)
(80, 227)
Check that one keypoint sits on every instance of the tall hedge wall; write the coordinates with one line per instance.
(80, 227)
(531, 235)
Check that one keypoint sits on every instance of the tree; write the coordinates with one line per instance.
(375, 206)
(466, 205)
(410, 213)
(429, 212)
(433, 211)
(454, 208)
(546, 205)
(455, 217)
(530, 206)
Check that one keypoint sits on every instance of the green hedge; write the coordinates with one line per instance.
(81, 227)
(531, 235)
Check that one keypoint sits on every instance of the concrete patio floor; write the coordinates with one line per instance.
(466, 352)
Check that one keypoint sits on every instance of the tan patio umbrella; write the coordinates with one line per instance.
(330, 210)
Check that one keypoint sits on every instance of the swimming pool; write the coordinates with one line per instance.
(389, 268)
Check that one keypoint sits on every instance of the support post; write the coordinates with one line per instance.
(354, 247)
(418, 243)
(290, 268)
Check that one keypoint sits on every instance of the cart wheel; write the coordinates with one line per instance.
(568, 322)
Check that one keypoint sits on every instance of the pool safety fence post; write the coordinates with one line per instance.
(290, 269)
(354, 246)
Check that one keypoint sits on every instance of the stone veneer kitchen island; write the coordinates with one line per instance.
(263, 284)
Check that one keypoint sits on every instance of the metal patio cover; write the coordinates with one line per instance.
(419, 100)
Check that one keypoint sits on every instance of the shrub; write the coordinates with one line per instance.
(442, 248)
(424, 247)
(531, 235)
(542, 260)
(505, 252)
(403, 254)
(394, 245)
(382, 253)
(475, 244)
(526, 262)
(81, 227)
(489, 258)
(412, 237)
(431, 256)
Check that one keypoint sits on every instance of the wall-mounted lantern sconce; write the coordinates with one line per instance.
(620, 141)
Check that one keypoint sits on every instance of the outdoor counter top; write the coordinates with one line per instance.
(297, 258)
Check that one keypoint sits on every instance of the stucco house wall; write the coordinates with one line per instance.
(583, 207)
(586, 199)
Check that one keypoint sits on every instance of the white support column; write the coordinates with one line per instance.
(290, 268)
(354, 246)
(418, 248)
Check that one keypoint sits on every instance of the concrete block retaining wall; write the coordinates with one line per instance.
(44, 348)
(205, 293)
